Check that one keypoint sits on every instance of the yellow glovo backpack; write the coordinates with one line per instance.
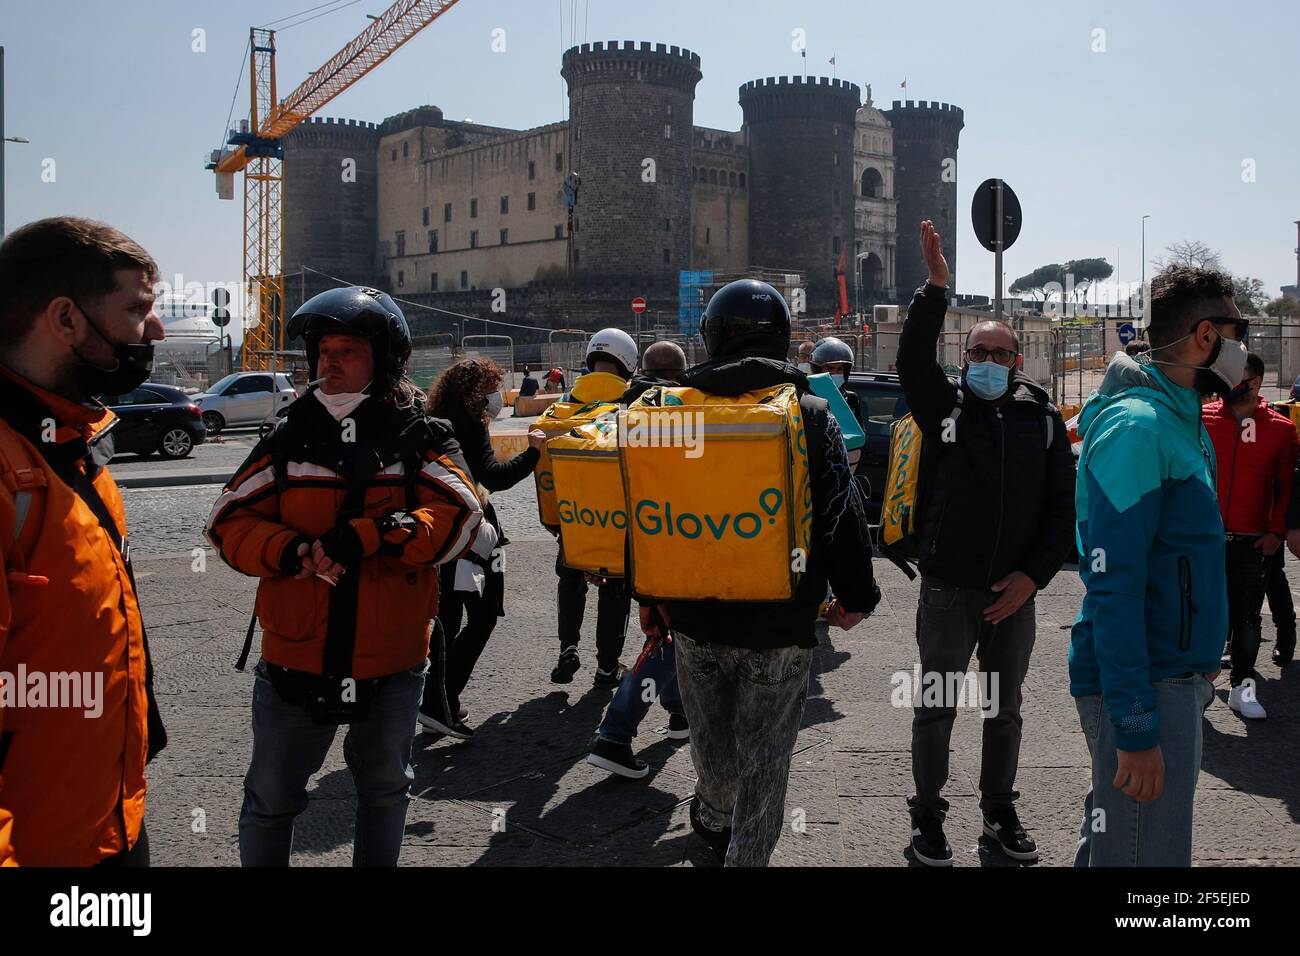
(589, 497)
(558, 420)
(900, 511)
(717, 494)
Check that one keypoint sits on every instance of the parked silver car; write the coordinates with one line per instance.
(245, 398)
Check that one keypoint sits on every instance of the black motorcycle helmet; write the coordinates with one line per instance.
(361, 311)
(749, 317)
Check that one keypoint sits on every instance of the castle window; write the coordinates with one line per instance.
(505, 237)
(406, 150)
(401, 278)
(559, 231)
(742, 180)
(559, 162)
(401, 243)
(666, 258)
(464, 280)
(532, 201)
(835, 245)
(668, 130)
(713, 177)
(835, 196)
(394, 154)
(706, 235)
(505, 205)
(532, 170)
(433, 282)
(670, 109)
(668, 225)
(473, 239)
(446, 212)
(873, 186)
(835, 159)
(426, 216)
(731, 180)
(473, 208)
(433, 240)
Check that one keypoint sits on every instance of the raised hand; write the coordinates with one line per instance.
(932, 250)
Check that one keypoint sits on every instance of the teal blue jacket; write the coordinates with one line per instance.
(1151, 547)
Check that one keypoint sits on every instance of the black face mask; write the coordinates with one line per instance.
(133, 367)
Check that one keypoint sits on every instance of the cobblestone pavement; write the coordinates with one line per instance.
(849, 777)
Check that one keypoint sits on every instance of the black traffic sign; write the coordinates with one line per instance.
(983, 214)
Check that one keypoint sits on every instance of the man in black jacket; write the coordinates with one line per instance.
(997, 522)
(742, 668)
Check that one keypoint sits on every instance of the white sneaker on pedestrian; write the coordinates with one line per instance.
(1242, 699)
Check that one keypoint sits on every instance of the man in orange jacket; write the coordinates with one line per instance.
(78, 720)
(344, 514)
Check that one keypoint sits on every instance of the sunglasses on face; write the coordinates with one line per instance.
(980, 354)
(1242, 326)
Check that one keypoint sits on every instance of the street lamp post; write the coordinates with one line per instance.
(1142, 291)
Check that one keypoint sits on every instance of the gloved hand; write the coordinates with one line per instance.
(291, 557)
(342, 544)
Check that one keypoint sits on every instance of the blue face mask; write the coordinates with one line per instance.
(988, 380)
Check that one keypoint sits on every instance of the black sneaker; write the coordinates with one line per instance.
(717, 840)
(1003, 826)
(567, 667)
(439, 724)
(617, 758)
(1281, 660)
(609, 678)
(461, 713)
(678, 728)
(929, 845)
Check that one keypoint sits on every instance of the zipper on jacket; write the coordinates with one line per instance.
(1232, 478)
(1185, 607)
(1002, 496)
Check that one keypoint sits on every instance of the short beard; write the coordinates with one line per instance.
(1209, 383)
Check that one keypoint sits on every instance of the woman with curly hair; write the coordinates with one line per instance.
(468, 395)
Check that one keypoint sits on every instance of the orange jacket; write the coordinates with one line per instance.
(72, 782)
(257, 521)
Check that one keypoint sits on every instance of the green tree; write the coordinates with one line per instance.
(1036, 282)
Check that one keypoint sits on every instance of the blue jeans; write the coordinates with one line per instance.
(1118, 830)
(655, 675)
(288, 748)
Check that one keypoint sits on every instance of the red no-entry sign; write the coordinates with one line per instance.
(638, 305)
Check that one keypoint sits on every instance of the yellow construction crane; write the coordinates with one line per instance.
(255, 148)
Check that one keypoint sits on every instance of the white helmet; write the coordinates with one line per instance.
(616, 346)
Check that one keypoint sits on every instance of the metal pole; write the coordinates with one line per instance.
(2, 141)
(997, 246)
(1143, 290)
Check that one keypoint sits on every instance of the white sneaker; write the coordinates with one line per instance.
(1242, 699)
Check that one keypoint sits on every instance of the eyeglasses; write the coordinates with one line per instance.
(980, 354)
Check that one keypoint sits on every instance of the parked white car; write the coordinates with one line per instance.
(245, 398)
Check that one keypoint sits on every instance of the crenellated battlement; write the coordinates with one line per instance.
(654, 62)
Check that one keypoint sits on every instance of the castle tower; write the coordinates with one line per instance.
(925, 182)
(631, 117)
(801, 199)
(330, 208)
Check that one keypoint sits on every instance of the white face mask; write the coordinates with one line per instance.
(495, 402)
(341, 404)
(1227, 365)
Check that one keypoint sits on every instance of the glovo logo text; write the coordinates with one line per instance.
(655, 517)
(572, 512)
(545, 481)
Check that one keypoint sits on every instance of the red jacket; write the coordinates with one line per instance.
(1256, 460)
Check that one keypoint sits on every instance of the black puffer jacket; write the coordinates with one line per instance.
(1000, 497)
(841, 548)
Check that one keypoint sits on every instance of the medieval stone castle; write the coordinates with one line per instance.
(628, 192)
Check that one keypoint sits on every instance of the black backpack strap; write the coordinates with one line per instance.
(248, 643)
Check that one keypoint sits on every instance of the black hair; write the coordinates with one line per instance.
(1176, 293)
(1255, 364)
(1010, 331)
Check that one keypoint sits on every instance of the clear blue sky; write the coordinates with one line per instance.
(1159, 123)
